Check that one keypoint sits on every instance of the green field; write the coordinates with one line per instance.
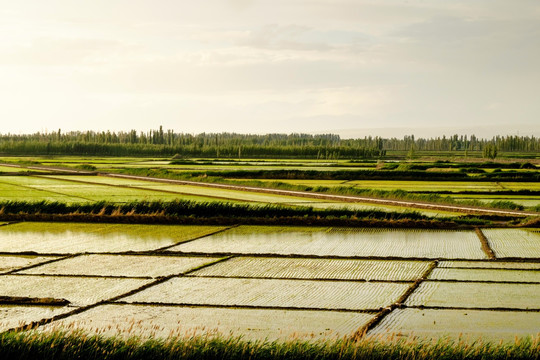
(81, 189)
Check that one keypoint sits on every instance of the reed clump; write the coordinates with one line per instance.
(79, 345)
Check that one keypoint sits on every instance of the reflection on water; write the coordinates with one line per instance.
(341, 242)
(74, 237)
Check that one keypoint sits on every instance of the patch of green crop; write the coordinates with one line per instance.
(84, 189)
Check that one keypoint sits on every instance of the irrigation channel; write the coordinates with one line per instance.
(303, 194)
(264, 282)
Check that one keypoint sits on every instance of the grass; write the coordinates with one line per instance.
(60, 346)
(194, 209)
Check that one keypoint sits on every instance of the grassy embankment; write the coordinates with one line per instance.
(224, 213)
(33, 345)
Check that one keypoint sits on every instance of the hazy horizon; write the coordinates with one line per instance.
(353, 67)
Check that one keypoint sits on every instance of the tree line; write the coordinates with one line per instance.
(231, 145)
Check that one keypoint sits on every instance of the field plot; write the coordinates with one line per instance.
(12, 262)
(125, 190)
(52, 187)
(79, 291)
(326, 293)
(237, 195)
(251, 324)
(521, 185)
(514, 243)
(317, 269)
(98, 192)
(361, 242)
(476, 295)
(489, 264)
(121, 265)
(273, 293)
(485, 275)
(459, 324)
(12, 316)
(61, 238)
(11, 192)
(426, 185)
(517, 199)
(9, 169)
(105, 180)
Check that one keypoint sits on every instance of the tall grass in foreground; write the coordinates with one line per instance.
(78, 345)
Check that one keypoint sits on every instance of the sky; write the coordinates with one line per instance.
(351, 67)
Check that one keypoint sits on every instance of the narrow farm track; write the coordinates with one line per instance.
(342, 198)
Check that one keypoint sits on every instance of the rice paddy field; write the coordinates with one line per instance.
(93, 188)
(269, 282)
(262, 282)
(74, 189)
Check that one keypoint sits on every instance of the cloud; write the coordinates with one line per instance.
(278, 37)
(473, 45)
(65, 52)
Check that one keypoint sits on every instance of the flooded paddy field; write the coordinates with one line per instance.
(264, 282)
(342, 242)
